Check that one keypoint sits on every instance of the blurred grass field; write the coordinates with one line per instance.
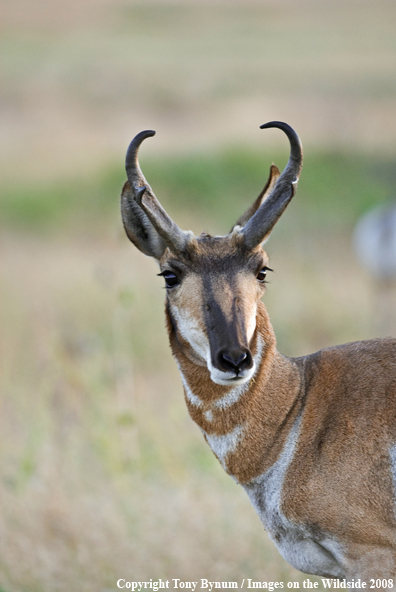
(102, 473)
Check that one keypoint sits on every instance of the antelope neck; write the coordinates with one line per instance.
(247, 425)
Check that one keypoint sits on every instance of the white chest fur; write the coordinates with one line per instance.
(307, 551)
(296, 543)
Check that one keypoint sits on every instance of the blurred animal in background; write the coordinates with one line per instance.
(374, 240)
(313, 439)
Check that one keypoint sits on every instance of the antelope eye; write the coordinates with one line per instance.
(171, 279)
(262, 274)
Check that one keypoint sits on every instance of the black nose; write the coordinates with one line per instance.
(234, 360)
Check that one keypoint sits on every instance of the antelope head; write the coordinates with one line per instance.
(213, 284)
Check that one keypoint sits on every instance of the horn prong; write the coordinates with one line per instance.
(261, 223)
(139, 194)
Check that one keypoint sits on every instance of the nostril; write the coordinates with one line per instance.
(234, 361)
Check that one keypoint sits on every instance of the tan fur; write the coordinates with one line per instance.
(311, 439)
(340, 479)
(259, 450)
(342, 463)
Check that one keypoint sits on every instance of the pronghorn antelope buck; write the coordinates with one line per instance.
(312, 440)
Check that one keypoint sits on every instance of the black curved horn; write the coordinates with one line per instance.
(173, 236)
(261, 223)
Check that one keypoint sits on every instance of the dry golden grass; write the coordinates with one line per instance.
(102, 473)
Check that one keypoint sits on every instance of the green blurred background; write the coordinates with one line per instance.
(102, 473)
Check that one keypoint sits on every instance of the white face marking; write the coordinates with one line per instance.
(191, 331)
(208, 415)
(251, 324)
(194, 400)
(294, 541)
(188, 308)
(223, 445)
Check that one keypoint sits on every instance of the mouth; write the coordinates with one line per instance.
(231, 379)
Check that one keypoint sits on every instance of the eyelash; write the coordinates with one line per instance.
(263, 270)
(169, 276)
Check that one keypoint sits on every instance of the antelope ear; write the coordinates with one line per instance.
(138, 227)
(269, 186)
